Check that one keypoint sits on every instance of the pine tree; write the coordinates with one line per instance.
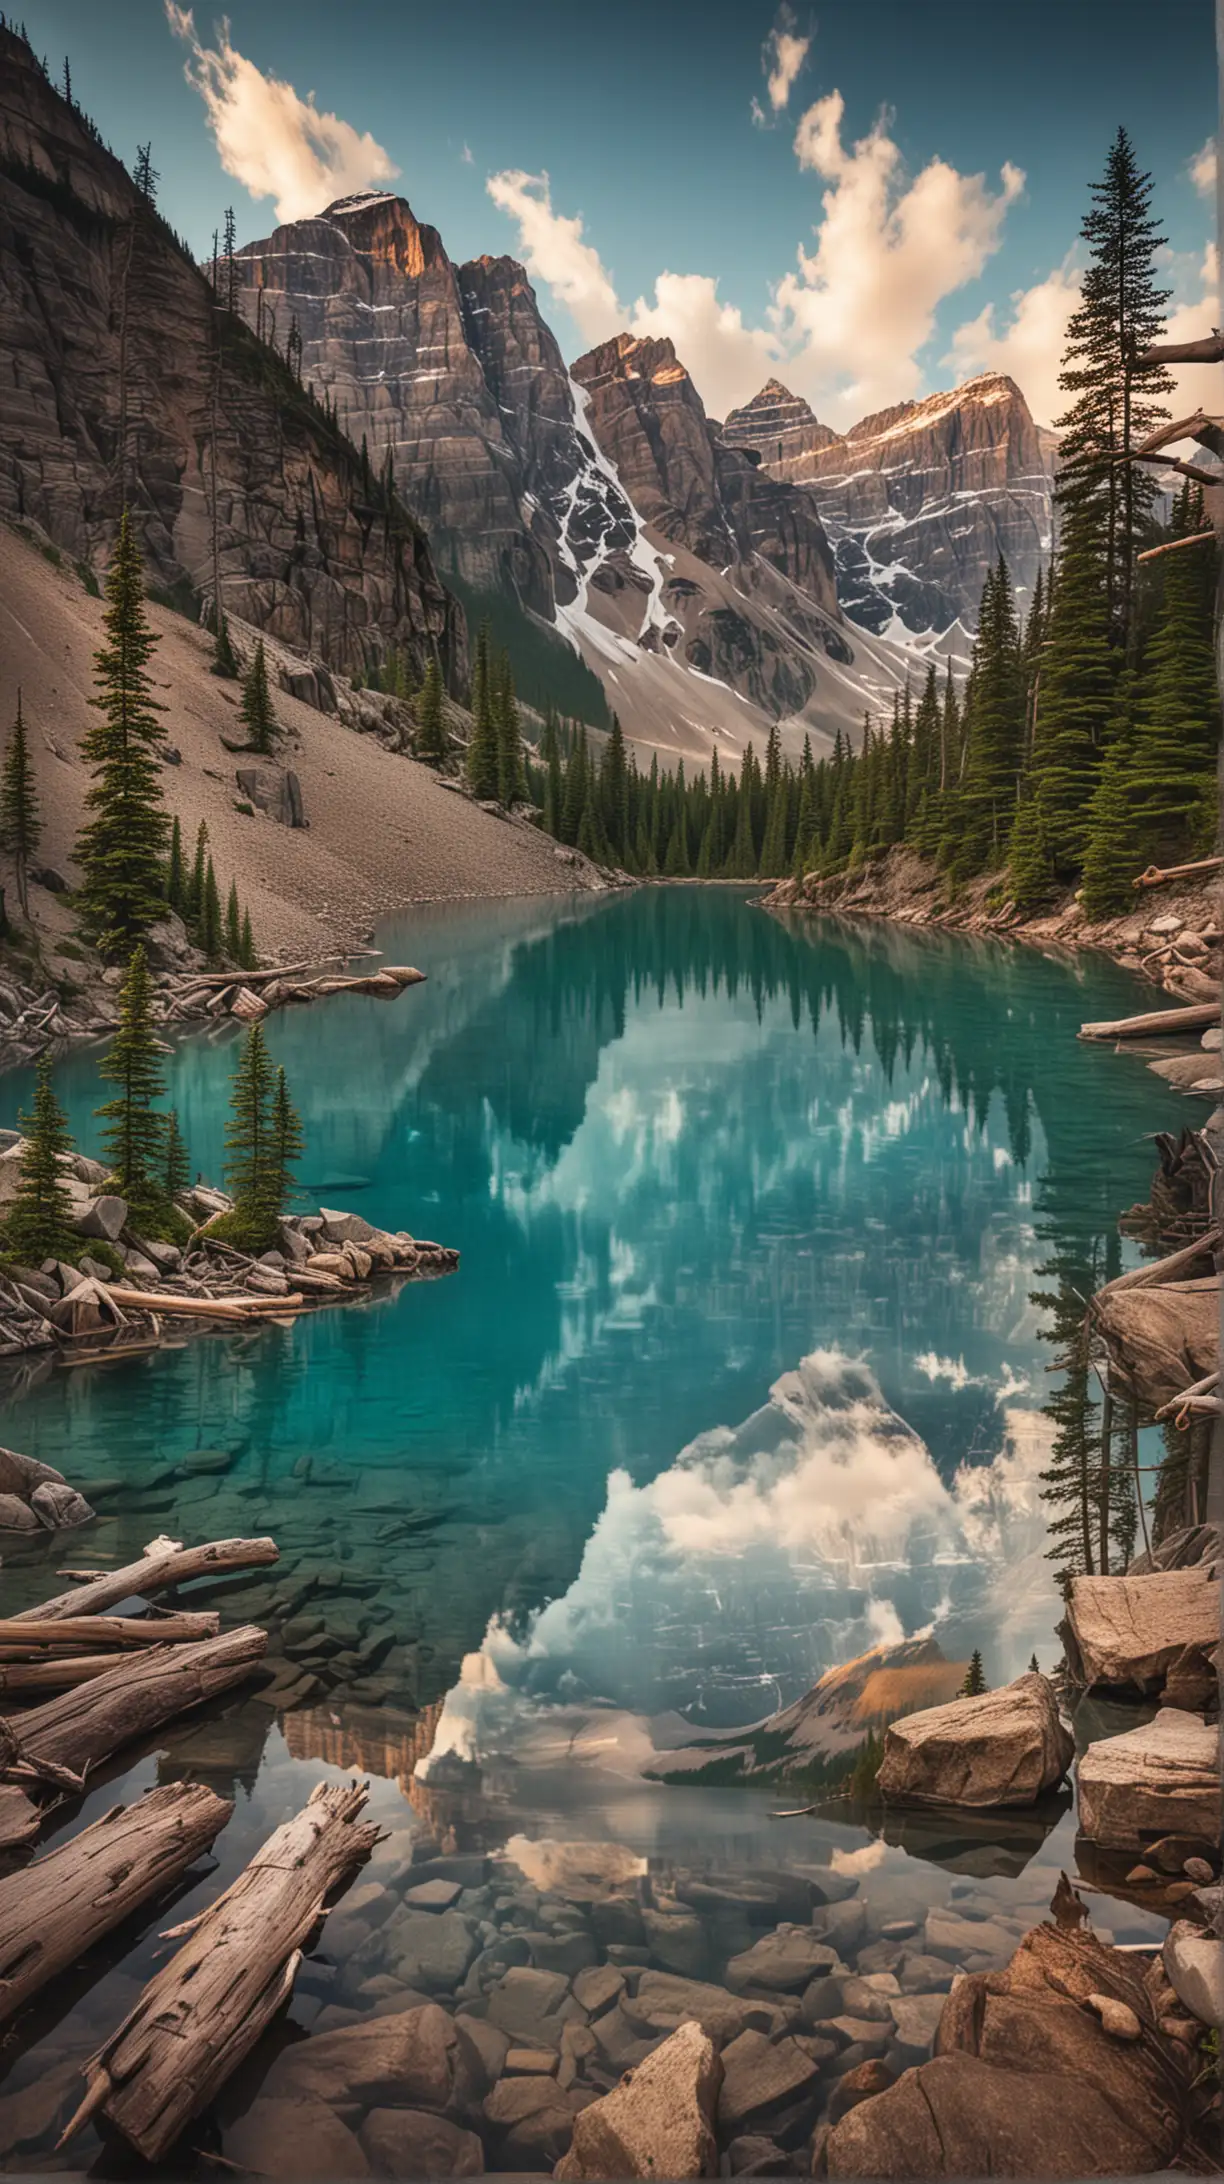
(233, 925)
(483, 768)
(249, 1138)
(1116, 401)
(176, 1163)
(135, 1132)
(1112, 855)
(742, 857)
(554, 787)
(255, 711)
(224, 662)
(146, 176)
(511, 782)
(614, 794)
(1030, 873)
(210, 924)
(1076, 695)
(247, 955)
(176, 875)
(121, 848)
(1177, 726)
(995, 733)
(285, 1147)
(37, 1224)
(774, 861)
(975, 1677)
(575, 798)
(20, 823)
(431, 742)
(193, 901)
(1034, 1669)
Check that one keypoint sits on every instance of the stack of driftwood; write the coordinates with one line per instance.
(251, 995)
(116, 1678)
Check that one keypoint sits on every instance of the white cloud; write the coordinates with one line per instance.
(782, 57)
(274, 142)
(724, 355)
(555, 252)
(1029, 346)
(1203, 169)
(888, 250)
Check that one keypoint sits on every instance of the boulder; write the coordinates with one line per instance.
(293, 2139)
(428, 1949)
(1128, 1631)
(916, 2017)
(760, 2077)
(59, 1507)
(658, 2122)
(537, 2119)
(344, 1228)
(275, 790)
(1005, 1748)
(599, 1987)
(1028, 2081)
(531, 2006)
(421, 2057)
(786, 1960)
(860, 2084)
(103, 1217)
(1159, 1779)
(677, 1941)
(16, 1515)
(1194, 1963)
(21, 1474)
(663, 2002)
(410, 2142)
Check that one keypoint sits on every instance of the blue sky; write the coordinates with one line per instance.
(667, 205)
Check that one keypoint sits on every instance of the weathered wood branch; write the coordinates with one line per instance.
(53, 1910)
(203, 2012)
(56, 1672)
(1175, 545)
(1182, 428)
(19, 1819)
(82, 1631)
(1198, 1017)
(1206, 1386)
(1156, 1271)
(1156, 877)
(1209, 349)
(163, 1564)
(1184, 470)
(80, 1728)
(224, 1308)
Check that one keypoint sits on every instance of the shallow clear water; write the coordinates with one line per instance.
(683, 1147)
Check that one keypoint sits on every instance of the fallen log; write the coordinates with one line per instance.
(1156, 1271)
(203, 2012)
(163, 1563)
(79, 1729)
(1197, 1017)
(153, 1300)
(1176, 545)
(55, 1909)
(19, 1819)
(82, 1631)
(1155, 877)
(57, 1672)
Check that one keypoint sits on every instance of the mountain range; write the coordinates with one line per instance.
(716, 579)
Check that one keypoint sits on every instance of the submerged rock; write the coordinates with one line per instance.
(659, 2122)
(1160, 1778)
(1005, 1748)
(295, 2138)
(421, 2057)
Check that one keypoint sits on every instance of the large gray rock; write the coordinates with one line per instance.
(1005, 1748)
(410, 2142)
(16, 1515)
(58, 1507)
(104, 1217)
(21, 1474)
(295, 2138)
(1162, 1778)
(536, 2118)
(761, 2076)
(659, 2122)
(1128, 1630)
(427, 1949)
(421, 2057)
(532, 2006)
(663, 2002)
(275, 790)
(786, 1960)
(1194, 1963)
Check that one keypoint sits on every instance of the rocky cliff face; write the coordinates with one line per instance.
(102, 313)
(918, 500)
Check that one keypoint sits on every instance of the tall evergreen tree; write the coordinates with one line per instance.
(432, 742)
(1177, 726)
(248, 955)
(1117, 402)
(176, 875)
(614, 794)
(1075, 698)
(975, 1677)
(511, 780)
(995, 735)
(193, 897)
(249, 1138)
(121, 848)
(233, 925)
(20, 821)
(134, 1133)
(176, 1162)
(255, 712)
(36, 1226)
(483, 758)
(210, 930)
(1112, 853)
(286, 1144)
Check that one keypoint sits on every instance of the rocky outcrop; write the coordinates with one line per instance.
(88, 271)
(1005, 1748)
(1131, 1631)
(919, 500)
(683, 477)
(1058, 2066)
(34, 1496)
(1194, 1967)
(658, 2122)
(1162, 1778)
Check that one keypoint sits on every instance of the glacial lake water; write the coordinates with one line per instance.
(740, 1374)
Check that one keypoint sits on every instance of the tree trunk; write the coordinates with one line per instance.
(55, 1909)
(81, 1728)
(19, 1819)
(77, 1633)
(160, 1566)
(203, 2012)
(1200, 1016)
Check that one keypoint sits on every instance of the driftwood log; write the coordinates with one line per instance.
(1158, 1271)
(203, 2012)
(55, 1909)
(163, 1563)
(1155, 876)
(80, 1632)
(1198, 1017)
(77, 1730)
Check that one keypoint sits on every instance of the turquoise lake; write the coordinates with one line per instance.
(690, 1154)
